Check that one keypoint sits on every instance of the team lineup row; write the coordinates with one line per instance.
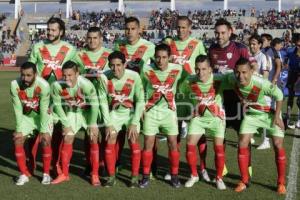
(119, 88)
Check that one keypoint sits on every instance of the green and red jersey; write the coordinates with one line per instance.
(81, 98)
(49, 58)
(206, 98)
(185, 52)
(91, 63)
(31, 101)
(137, 55)
(258, 95)
(121, 95)
(160, 86)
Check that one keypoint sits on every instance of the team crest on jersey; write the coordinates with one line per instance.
(229, 55)
(215, 56)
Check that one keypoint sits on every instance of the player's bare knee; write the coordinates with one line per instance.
(244, 140)
(149, 143)
(68, 139)
(46, 140)
(278, 144)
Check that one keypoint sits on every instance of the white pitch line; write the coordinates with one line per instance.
(293, 171)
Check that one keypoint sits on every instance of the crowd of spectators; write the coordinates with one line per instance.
(272, 19)
(8, 41)
(107, 20)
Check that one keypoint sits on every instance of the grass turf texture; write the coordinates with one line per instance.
(263, 184)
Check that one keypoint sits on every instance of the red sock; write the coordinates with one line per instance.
(280, 163)
(147, 157)
(219, 160)
(135, 159)
(202, 151)
(21, 159)
(110, 158)
(102, 153)
(191, 158)
(47, 157)
(94, 158)
(243, 158)
(66, 155)
(174, 161)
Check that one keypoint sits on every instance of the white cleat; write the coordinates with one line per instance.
(291, 125)
(191, 181)
(167, 177)
(264, 145)
(22, 180)
(46, 179)
(298, 124)
(220, 184)
(205, 176)
(252, 141)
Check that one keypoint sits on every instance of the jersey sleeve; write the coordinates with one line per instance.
(272, 90)
(57, 104)
(202, 50)
(139, 99)
(33, 57)
(102, 92)
(44, 105)
(17, 105)
(92, 98)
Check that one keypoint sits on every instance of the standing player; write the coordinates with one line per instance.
(263, 68)
(31, 97)
(122, 90)
(160, 81)
(49, 56)
(184, 50)
(293, 75)
(254, 92)
(76, 104)
(92, 61)
(205, 92)
(223, 57)
(138, 52)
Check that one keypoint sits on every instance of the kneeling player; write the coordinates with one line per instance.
(76, 103)
(205, 93)
(123, 89)
(160, 83)
(255, 94)
(31, 98)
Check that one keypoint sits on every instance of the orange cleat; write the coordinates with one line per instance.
(281, 189)
(240, 187)
(61, 178)
(95, 180)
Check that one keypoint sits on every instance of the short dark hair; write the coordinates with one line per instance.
(117, 55)
(163, 47)
(243, 61)
(132, 19)
(70, 65)
(60, 22)
(29, 65)
(276, 41)
(257, 38)
(222, 21)
(266, 35)
(296, 37)
(95, 29)
(202, 58)
(184, 18)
